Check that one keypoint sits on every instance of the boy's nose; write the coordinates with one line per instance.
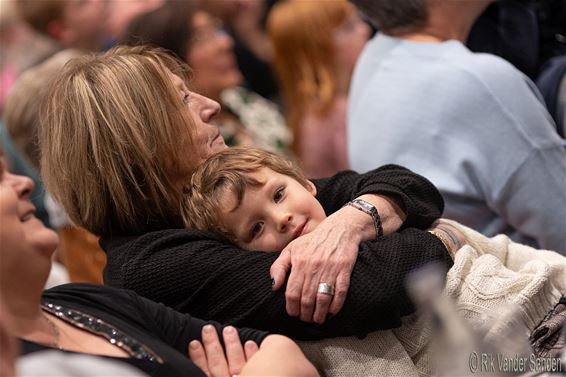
(284, 221)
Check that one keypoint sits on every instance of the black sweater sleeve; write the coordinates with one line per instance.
(204, 277)
(198, 273)
(420, 199)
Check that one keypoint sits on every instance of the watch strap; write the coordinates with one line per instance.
(370, 209)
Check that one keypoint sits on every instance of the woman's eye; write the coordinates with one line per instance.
(278, 195)
(186, 98)
(256, 230)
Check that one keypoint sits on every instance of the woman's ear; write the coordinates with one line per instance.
(311, 187)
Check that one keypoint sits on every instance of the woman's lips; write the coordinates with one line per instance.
(217, 138)
(28, 215)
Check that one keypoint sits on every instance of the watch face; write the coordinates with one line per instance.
(365, 205)
(370, 209)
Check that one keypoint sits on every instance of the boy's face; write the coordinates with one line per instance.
(272, 215)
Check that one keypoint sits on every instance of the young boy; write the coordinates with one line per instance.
(260, 201)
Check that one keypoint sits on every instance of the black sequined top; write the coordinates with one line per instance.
(155, 336)
(97, 326)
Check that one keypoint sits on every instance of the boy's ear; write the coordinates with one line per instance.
(311, 187)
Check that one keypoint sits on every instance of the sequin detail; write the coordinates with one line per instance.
(97, 326)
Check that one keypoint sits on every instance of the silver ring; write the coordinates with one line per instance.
(326, 289)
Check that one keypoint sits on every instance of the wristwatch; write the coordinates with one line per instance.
(370, 209)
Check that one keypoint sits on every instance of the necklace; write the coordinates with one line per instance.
(98, 327)
(56, 334)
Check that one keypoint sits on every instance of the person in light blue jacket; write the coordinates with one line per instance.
(471, 123)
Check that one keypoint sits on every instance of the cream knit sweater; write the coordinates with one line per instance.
(489, 274)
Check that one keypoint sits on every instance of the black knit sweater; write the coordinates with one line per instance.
(196, 272)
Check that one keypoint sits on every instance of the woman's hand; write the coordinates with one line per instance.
(450, 236)
(327, 255)
(210, 357)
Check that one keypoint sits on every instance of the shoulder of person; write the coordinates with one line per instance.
(489, 70)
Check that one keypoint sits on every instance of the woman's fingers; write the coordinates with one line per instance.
(234, 350)
(340, 292)
(250, 348)
(198, 356)
(322, 256)
(323, 302)
(294, 291)
(209, 355)
(280, 268)
(217, 363)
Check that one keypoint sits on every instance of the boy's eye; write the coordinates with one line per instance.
(278, 195)
(256, 230)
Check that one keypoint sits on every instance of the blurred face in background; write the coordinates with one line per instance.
(223, 9)
(210, 54)
(123, 11)
(84, 24)
(349, 40)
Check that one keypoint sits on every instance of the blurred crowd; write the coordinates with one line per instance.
(332, 85)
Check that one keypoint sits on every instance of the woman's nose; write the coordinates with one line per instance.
(207, 108)
(22, 185)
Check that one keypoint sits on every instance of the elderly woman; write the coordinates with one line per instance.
(123, 132)
(198, 39)
(84, 319)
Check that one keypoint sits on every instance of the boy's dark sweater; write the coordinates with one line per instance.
(199, 273)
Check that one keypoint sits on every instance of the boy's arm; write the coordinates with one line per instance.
(327, 255)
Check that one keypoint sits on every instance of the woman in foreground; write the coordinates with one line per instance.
(122, 134)
(84, 318)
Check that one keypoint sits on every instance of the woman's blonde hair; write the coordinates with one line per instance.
(115, 133)
(301, 32)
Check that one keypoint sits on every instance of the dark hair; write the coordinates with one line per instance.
(168, 26)
(394, 16)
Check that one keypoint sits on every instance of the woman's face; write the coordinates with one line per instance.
(207, 138)
(26, 244)
(349, 40)
(210, 54)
